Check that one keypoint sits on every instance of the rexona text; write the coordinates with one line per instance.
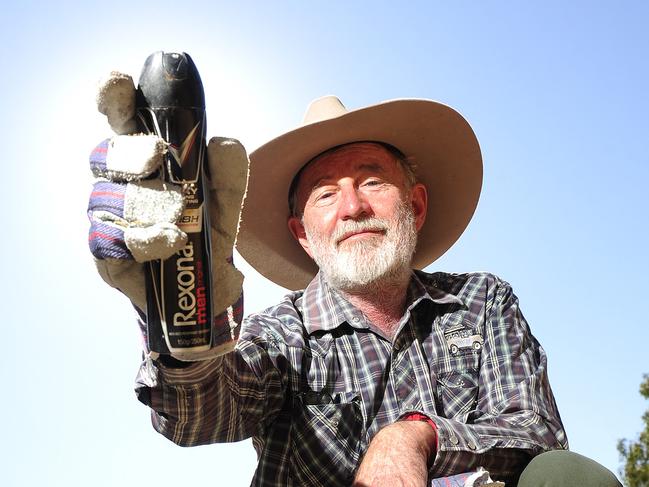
(192, 300)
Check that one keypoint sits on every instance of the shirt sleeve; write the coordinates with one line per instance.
(228, 398)
(515, 416)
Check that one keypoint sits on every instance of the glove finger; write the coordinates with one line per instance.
(228, 177)
(128, 157)
(158, 241)
(152, 201)
(139, 211)
(116, 99)
(105, 212)
(228, 165)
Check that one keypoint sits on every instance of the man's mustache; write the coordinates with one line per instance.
(348, 227)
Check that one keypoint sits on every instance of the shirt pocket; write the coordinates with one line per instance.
(457, 394)
(325, 438)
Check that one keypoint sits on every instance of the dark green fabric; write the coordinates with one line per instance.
(566, 469)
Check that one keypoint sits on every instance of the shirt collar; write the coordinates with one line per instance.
(425, 286)
(323, 309)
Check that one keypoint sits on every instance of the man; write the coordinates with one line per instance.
(373, 374)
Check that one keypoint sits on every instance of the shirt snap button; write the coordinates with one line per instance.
(454, 440)
(472, 445)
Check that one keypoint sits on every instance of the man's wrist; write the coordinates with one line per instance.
(399, 454)
(420, 417)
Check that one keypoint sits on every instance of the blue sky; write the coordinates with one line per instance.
(555, 91)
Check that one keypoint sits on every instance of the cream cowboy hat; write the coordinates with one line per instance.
(439, 139)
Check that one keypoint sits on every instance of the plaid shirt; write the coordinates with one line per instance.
(311, 381)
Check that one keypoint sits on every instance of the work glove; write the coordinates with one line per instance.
(133, 219)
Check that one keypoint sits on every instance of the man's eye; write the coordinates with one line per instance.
(373, 182)
(324, 196)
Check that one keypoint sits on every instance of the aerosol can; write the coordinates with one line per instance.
(171, 104)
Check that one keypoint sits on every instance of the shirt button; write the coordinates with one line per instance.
(472, 446)
(453, 439)
(355, 319)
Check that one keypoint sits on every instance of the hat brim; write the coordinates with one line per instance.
(438, 139)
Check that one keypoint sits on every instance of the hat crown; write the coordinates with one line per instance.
(323, 108)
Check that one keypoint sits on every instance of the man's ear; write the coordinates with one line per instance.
(296, 228)
(419, 201)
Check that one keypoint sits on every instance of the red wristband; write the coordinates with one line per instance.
(419, 417)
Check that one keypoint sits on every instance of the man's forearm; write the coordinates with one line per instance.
(398, 455)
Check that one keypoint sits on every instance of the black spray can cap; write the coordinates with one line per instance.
(170, 79)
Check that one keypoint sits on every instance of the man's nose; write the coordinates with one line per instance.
(353, 204)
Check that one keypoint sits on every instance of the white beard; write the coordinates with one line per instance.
(371, 262)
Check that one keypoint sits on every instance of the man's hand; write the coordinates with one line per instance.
(398, 456)
(133, 217)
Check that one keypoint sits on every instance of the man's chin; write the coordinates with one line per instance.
(365, 270)
(352, 283)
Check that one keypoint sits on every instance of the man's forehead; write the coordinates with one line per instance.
(371, 156)
(357, 155)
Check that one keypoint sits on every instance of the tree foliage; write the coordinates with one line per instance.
(635, 453)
